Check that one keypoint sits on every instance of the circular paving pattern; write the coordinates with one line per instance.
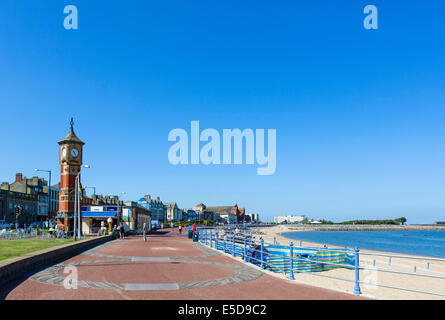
(241, 273)
(160, 272)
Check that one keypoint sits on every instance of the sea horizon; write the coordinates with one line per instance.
(427, 243)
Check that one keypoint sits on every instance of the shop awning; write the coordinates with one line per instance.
(89, 214)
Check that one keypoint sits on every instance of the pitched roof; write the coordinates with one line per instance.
(220, 208)
(171, 204)
(71, 137)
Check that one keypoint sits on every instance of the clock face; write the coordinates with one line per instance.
(74, 153)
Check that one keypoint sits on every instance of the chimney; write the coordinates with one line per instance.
(18, 177)
(159, 199)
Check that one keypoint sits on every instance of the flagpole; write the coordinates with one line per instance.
(79, 197)
(78, 200)
(75, 209)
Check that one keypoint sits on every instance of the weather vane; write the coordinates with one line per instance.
(72, 123)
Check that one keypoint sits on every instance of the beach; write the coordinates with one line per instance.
(374, 276)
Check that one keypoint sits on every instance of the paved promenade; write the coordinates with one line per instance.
(168, 266)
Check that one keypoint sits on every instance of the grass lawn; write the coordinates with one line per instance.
(12, 248)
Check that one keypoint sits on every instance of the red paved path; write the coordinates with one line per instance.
(164, 245)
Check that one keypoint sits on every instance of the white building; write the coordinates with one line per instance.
(289, 219)
(172, 211)
(229, 217)
(254, 217)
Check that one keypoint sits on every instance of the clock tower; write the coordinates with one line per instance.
(70, 149)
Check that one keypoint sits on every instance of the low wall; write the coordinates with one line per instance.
(17, 266)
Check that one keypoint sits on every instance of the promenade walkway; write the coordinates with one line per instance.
(168, 266)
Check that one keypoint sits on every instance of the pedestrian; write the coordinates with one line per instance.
(51, 231)
(180, 228)
(122, 230)
(144, 232)
(118, 230)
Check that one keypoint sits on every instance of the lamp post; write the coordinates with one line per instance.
(49, 190)
(77, 205)
(122, 195)
(94, 190)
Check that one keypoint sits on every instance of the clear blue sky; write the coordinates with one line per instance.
(359, 114)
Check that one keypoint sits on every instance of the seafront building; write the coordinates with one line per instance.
(8, 202)
(289, 219)
(173, 212)
(134, 216)
(191, 215)
(228, 218)
(232, 214)
(157, 208)
(53, 201)
(31, 194)
(254, 217)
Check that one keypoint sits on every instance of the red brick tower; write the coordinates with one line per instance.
(70, 162)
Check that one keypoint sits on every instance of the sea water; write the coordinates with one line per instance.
(430, 243)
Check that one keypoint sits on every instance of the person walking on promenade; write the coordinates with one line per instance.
(180, 228)
(144, 232)
(118, 230)
(122, 230)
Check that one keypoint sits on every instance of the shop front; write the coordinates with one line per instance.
(94, 218)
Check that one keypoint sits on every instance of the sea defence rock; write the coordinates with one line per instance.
(17, 266)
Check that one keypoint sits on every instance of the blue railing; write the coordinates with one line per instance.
(289, 260)
(274, 257)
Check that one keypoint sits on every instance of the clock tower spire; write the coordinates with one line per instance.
(70, 149)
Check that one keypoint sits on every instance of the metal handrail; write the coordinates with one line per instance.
(402, 256)
(237, 239)
(403, 272)
(403, 289)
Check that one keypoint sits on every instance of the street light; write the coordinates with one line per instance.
(94, 188)
(49, 190)
(77, 204)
